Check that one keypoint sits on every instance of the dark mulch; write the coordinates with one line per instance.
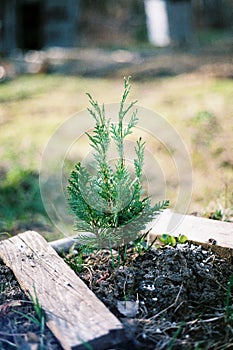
(169, 298)
(16, 330)
(180, 294)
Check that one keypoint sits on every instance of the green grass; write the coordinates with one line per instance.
(229, 308)
(20, 198)
(213, 36)
(38, 318)
(32, 107)
(26, 87)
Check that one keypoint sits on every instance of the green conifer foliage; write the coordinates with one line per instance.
(110, 204)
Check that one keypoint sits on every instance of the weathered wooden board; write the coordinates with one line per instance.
(73, 313)
(197, 229)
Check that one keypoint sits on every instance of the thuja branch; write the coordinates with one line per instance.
(110, 204)
(118, 132)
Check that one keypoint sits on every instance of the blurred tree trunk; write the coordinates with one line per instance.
(213, 13)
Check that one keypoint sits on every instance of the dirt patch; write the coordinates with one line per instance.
(167, 298)
(17, 328)
(175, 298)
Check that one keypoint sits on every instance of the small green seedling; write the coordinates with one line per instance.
(142, 244)
(75, 260)
(172, 241)
(229, 307)
(175, 336)
(37, 307)
(38, 319)
(182, 239)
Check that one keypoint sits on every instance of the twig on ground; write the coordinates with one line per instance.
(8, 342)
(169, 307)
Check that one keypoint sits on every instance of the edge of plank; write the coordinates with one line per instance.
(197, 229)
(27, 255)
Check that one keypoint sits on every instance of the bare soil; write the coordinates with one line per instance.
(167, 298)
(17, 331)
(175, 298)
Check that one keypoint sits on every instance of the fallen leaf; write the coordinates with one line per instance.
(4, 308)
(128, 308)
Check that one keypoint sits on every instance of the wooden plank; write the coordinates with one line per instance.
(197, 229)
(73, 313)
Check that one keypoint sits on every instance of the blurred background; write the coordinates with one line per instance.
(179, 54)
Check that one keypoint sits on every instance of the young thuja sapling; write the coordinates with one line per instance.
(110, 204)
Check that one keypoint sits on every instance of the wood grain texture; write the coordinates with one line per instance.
(197, 229)
(73, 313)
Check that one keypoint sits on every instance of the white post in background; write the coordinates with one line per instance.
(157, 22)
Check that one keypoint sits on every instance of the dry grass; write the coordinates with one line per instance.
(198, 107)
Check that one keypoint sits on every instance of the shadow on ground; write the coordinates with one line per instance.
(21, 207)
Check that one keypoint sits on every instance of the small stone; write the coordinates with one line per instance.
(31, 337)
